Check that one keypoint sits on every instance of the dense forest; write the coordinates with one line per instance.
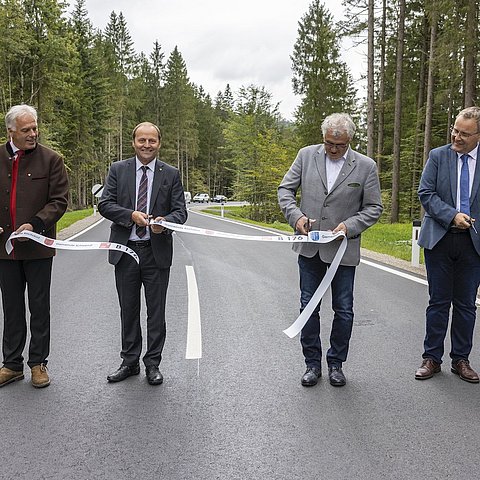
(91, 87)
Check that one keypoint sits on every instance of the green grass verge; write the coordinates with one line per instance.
(72, 217)
(392, 239)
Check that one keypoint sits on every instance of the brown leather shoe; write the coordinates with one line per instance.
(40, 377)
(8, 376)
(463, 369)
(427, 369)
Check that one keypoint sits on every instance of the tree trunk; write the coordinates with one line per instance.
(397, 124)
(417, 160)
(430, 86)
(381, 90)
(370, 82)
(471, 33)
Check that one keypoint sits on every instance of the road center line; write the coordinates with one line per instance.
(194, 327)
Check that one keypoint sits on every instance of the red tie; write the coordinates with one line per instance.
(13, 189)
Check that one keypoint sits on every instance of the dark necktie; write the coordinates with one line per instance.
(465, 186)
(142, 200)
(13, 188)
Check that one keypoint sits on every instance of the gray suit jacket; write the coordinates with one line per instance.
(438, 195)
(355, 200)
(119, 199)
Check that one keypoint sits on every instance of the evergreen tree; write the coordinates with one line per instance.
(319, 74)
(181, 134)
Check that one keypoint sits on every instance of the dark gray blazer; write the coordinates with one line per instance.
(438, 194)
(355, 199)
(118, 202)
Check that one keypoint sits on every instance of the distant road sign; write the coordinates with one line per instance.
(97, 190)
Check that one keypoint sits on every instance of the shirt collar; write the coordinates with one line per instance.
(15, 149)
(150, 165)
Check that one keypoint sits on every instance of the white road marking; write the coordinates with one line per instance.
(86, 230)
(194, 328)
(413, 278)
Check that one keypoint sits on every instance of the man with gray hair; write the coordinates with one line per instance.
(36, 183)
(340, 191)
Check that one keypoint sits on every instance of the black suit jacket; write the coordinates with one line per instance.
(118, 202)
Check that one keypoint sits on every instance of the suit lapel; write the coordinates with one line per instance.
(157, 181)
(321, 165)
(452, 169)
(131, 180)
(348, 167)
(476, 177)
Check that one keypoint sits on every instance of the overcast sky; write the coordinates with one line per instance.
(224, 41)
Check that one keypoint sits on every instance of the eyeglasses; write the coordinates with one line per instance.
(336, 145)
(457, 133)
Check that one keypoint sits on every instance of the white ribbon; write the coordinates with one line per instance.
(316, 236)
(68, 245)
(296, 327)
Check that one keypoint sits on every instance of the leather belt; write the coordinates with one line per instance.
(138, 243)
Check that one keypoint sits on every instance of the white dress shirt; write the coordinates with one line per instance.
(150, 172)
(333, 168)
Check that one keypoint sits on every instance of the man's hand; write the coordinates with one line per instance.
(341, 227)
(21, 228)
(157, 228)
(462, 220)
(304, 225)
(140, 218)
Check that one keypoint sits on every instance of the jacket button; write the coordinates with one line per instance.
(325, 192)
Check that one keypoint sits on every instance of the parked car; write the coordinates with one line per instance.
(201, 197)
(188, 197)
(219, 198)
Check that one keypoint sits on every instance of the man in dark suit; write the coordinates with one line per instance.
(34, 183)
(449, 192)
(341, 192)
(136, 190)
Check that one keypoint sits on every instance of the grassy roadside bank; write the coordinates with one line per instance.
(71, 217)
(390, 239)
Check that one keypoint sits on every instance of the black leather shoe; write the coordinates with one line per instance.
(311, 376)
(124, 372)
(154, 377)
(337, 378)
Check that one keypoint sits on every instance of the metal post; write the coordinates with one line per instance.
(415, 247)
(94, 210)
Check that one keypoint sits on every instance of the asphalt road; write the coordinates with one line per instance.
(240, 411)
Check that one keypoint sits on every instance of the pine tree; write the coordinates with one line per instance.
(319, 74)
(181, 134)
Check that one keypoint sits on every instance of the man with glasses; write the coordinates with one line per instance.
(449, 193)
(340, 191)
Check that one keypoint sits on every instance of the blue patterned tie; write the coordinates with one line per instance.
(142, 200)
(465, 186)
